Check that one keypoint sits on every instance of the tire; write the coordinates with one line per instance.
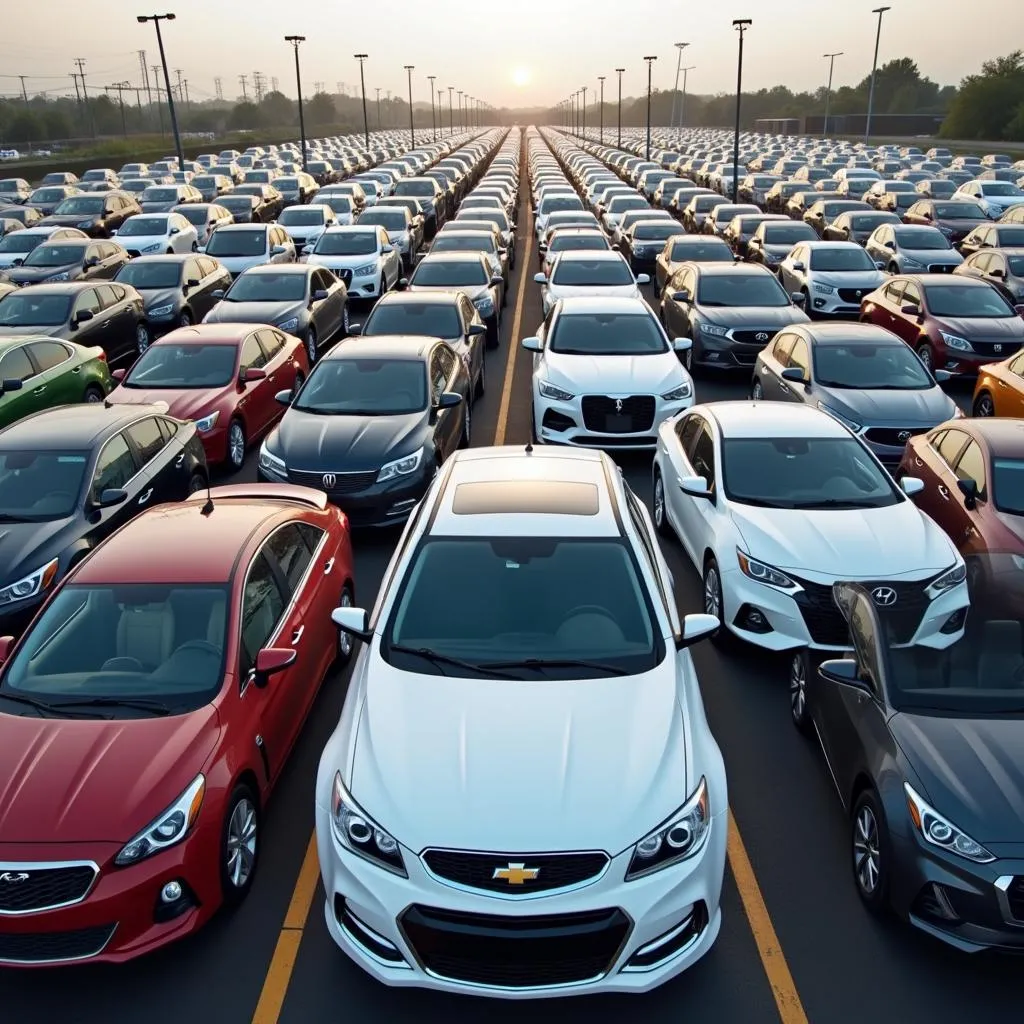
(713, 601)
(481, 381)
(170, 252)
(466, 439)
(185, 320)
(983, 405)
(870, 850)
(236, 444)
(660, 511)
(493, 337)
(197, 482)
(93, 393)
(239, 845)
(893, 268)
(142, 337)
(800, 668)
(346, 642)
(312, 350)
(346, 321)
(757, 392)
(925, 354)
(383, 290)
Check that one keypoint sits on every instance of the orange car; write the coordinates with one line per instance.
(1000, 387)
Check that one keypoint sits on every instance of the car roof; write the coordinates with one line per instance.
(436, 297)
(845, 333)
(383, 346)
(515, 491)
(748, 419)
(209, 334)
(1003, 435)
(574, 304)
(74, 427)
(279, 268)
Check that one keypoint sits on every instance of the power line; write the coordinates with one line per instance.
(258, 84)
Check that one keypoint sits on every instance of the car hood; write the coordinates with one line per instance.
(183, 403)
(845, 544)
(754, 316)
(972, 770)
(34, 275)
(33, 330)
(312, 443)
(930, 256)
(1009, 328)
(152, 298)
(610, 375)
(869, 280)
(24, 547)
(254, 312)
(67, 220)
(924, 408)
(57, 776)
(455, 763)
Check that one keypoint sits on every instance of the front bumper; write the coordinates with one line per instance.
(377, 918)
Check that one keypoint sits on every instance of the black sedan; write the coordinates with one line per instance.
(69, 260)
(27, 216)
(177, 290)
(643, 242)
(47, 198)
(926, 749)
(269, 202)
(246, 209)
(71, 476)
(110, 315)
(372, 425)
(97, 214)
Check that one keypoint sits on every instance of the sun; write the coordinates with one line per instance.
(521, 77)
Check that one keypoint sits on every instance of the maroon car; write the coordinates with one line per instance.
(955, 218)
(954, 323)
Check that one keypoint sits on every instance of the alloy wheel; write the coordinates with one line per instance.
(712, 591)
(236, 445)
(867, 861)
(240, 844)
(311, 345)
(984, 406)
(345, 641)
(141, 338)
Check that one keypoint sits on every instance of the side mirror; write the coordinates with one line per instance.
(277, 250)
(320, 294)
(912, 485)
(969, 489)
(942, 376)
(542, 246)
(910, 310)
(306, 250)
(217, 294)
(532, 344)
(11, 384)
(174, 231)
(798, 265)
(403, 283)
(91, 261)
(18, 262)
(879, 265)
(696, 627)
(681, 296)
(891, 246)
(448, 400)
(353, 621)
(84, 316)
(497, 279)
(794, 375)
(643, 279)
(112, 496)
(6, 646)
(270, 661)
(192, 282)
(119, 375)
(355, 330)
(201, 249)
(284, 397)
(475, 330)
(254, 373)
(997, 273)
(927, 216)
(799, 299)
(682, 344)
(541, 278)
(845, 672)
(388, 248)
(695, 487)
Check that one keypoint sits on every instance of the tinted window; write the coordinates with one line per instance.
(984, 302)
(739, 289)
(972, 466)
(238, 243)
(253, 357)
(147, 438)
(364, 387)
(841, 259)
(16, 365)
(115, 466)
(865, 365)
(607, 334)
(47, 355)
(183, 366)
(292, 553)
(40, 485)
(686, 430)
(48, 255)
(346, 243)
(262, 605)
(950, 444)
(450, 273)
(592, 272)
(429, 319)
(702, 456)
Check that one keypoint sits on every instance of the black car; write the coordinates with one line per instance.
(69, 477)
(27, 216)
(431, 199)
(69, 260)
(857, 226)
(246, 209)
(97, 214)
(643, 242)
(926, 749)
(107, 314)
(177, 290)
(371, 426)
(269, 203)
(47, 198)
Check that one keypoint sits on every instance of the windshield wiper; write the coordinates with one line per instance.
(444, 659)
(744, 499)
(32, 702)
(837, 503)
(542, 663)
(137, 703)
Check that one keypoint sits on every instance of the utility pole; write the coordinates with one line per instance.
(273, 84)
(243, 82)
(874, 70)
(24, 92)
(295, 40)
(433, 118)
(362, 58)
(258, 84)
(144, 69)
(451, 115)
(218, 88)
(741, 25)
(119, 86)
(188, 100)
(650, 64)
(601, 78)
(583, 93)
(378, 106)
(156, 19)
(409, 68)
(317, 86)
(831, 58)
(156, 89)
(80, 61)
(181, 88)
(619, 71)
(675, 89)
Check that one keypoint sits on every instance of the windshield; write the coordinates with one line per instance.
(364, 387)
(150, 275)
(838, 259)
(448, 242)
(870, 221)
(984, 302)
(346, 243)
(48, 255)
(194, 213)
(428, 319)
(238, 243)
(711, 251)
(202, 181)
(183, 366)
(553, 203)
(77, 651)
(805, 473)
(339, 204)
(143, 226)
(549, 601)
(303, 216)
(81, 205)
(46, 195)
(578, 243)
(923, 239)
(160, 195)
(393, 220)
(1016, 264)
(414, 188)
(236, 204)
(655, 232)
(267, 287)
(609, 334)
(865, 365)
(959, 211)
(28, 309)
(287, 184)
(40, 485)
(619, 204)
(739, 289)
(20, 241)
(1008, 486)
(577, 271)
(449, 273)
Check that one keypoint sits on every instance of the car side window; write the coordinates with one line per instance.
(799, 358)
(271, 342)
(911, 295)
(207, 265)
(972, 467)
(16, 365)
(147, 438)
(863, 632)
(438, 376)
(449, 361)
(107, 249)
(1017, 366)
(263, 603)
(193, 271)
(114, 467)
(781, 348)
(253, 356)
(167, 427)
(950, 445)
(106, 296)
(702, 457)
(894, 292)
(87, 302)
(47, 355)
(996, 261)
(980, 261)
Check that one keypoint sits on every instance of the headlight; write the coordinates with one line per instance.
(846, 421)
(400, 467)
(484, 304)
(153, 248)
(169, 828)
(940, 832)
(206, 424)
(712, 330)
(60, 277)
(948, 580)
(825, 289)
(271, 463)
(761, 572)
(30, 585)
(550, 391)
(366, 268)
(954, 341)
(159, 312)
(685, 390)
(680, 837)
(908, 262)
(290, 324)
(355, 829)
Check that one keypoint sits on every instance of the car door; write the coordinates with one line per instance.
(330, 312)
(798, 358)
(677, 313)
(95, 330)
(212, 277)
(774, 359)
(906, 324)
(676, 461)
(474, 343)
(280, 366)
(257, 404)
(115, 469)
(16, 365)
(447, 422)
(933, 462)
(160, 475)
(58, 380)
(963, 521)
(111, 260)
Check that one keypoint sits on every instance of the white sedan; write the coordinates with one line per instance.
(362, 256)
(589, 273)
(524, 800)
(832, 276)
(145, 233)
(774, 503)
(605, 374)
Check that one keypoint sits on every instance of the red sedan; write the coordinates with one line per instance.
(147, 714)
(223, 376)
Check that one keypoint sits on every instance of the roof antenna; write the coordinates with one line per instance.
(529, 447)
(207, 508)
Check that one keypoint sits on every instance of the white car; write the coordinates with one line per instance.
(540, 761)
(305, 224)
(146, 233)
(241, 246)
(551, 203)
(774, 503)
(605, 374)
(833, 276)
(205, 218)
(362, 256)
(16, 246)
(994, 197)
(588, 273)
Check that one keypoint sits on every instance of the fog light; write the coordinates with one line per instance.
(752, 619)
(712, 357)
(955, 622)
(171, 892)
(819, 303)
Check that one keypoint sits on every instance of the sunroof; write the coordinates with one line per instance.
(554, 497)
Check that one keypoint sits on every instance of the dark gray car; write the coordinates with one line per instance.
(862, 375)
(69, 260)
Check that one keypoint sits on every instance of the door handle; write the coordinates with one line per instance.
(180, 459)
(39, 391)
(146, 496)
(917, 461)
(297, 635)
(77, 369)
(328, 566)
(944, 492)
(1001, 383)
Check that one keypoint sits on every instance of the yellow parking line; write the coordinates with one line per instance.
(787, 999)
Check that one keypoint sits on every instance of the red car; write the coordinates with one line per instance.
(148, 711)
(222, 376)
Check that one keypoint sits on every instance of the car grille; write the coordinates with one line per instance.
(22, 891)
(344, 483)
(892, 436)
(758, 337)
(345, 275)
(827, 626)
(630, 415)
(50, 947)
(1015, 897)
(554, 870)
(940, 268)
(996, 349)
(853, 295)
(515, 952)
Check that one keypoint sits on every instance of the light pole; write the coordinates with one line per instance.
(433, 118)
(650, 62)
(874, 70)
(361, 57)
(601, 78)
(675, 90)
(156, 19)
(741, 25)
(378, 107)
(583, 93)
(461, 124)
(451, 114)
(295, 40)
(682, 105)
(831, 57)
(412, 128)
(619, 71)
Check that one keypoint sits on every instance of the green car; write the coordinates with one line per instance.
(39, 373)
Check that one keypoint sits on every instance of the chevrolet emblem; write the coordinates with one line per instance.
(516, 874)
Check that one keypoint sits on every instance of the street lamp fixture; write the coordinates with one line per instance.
(156, 19)
(741, 25)
(412, 128)
(619, 72)
(831, 58)
(675, 92)
(295, 40)
(874, 70)
(650, 62)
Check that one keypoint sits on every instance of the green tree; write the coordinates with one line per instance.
(25, 126)
(320, 110)
(246, 117)
(278, 110)
(988, 105)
